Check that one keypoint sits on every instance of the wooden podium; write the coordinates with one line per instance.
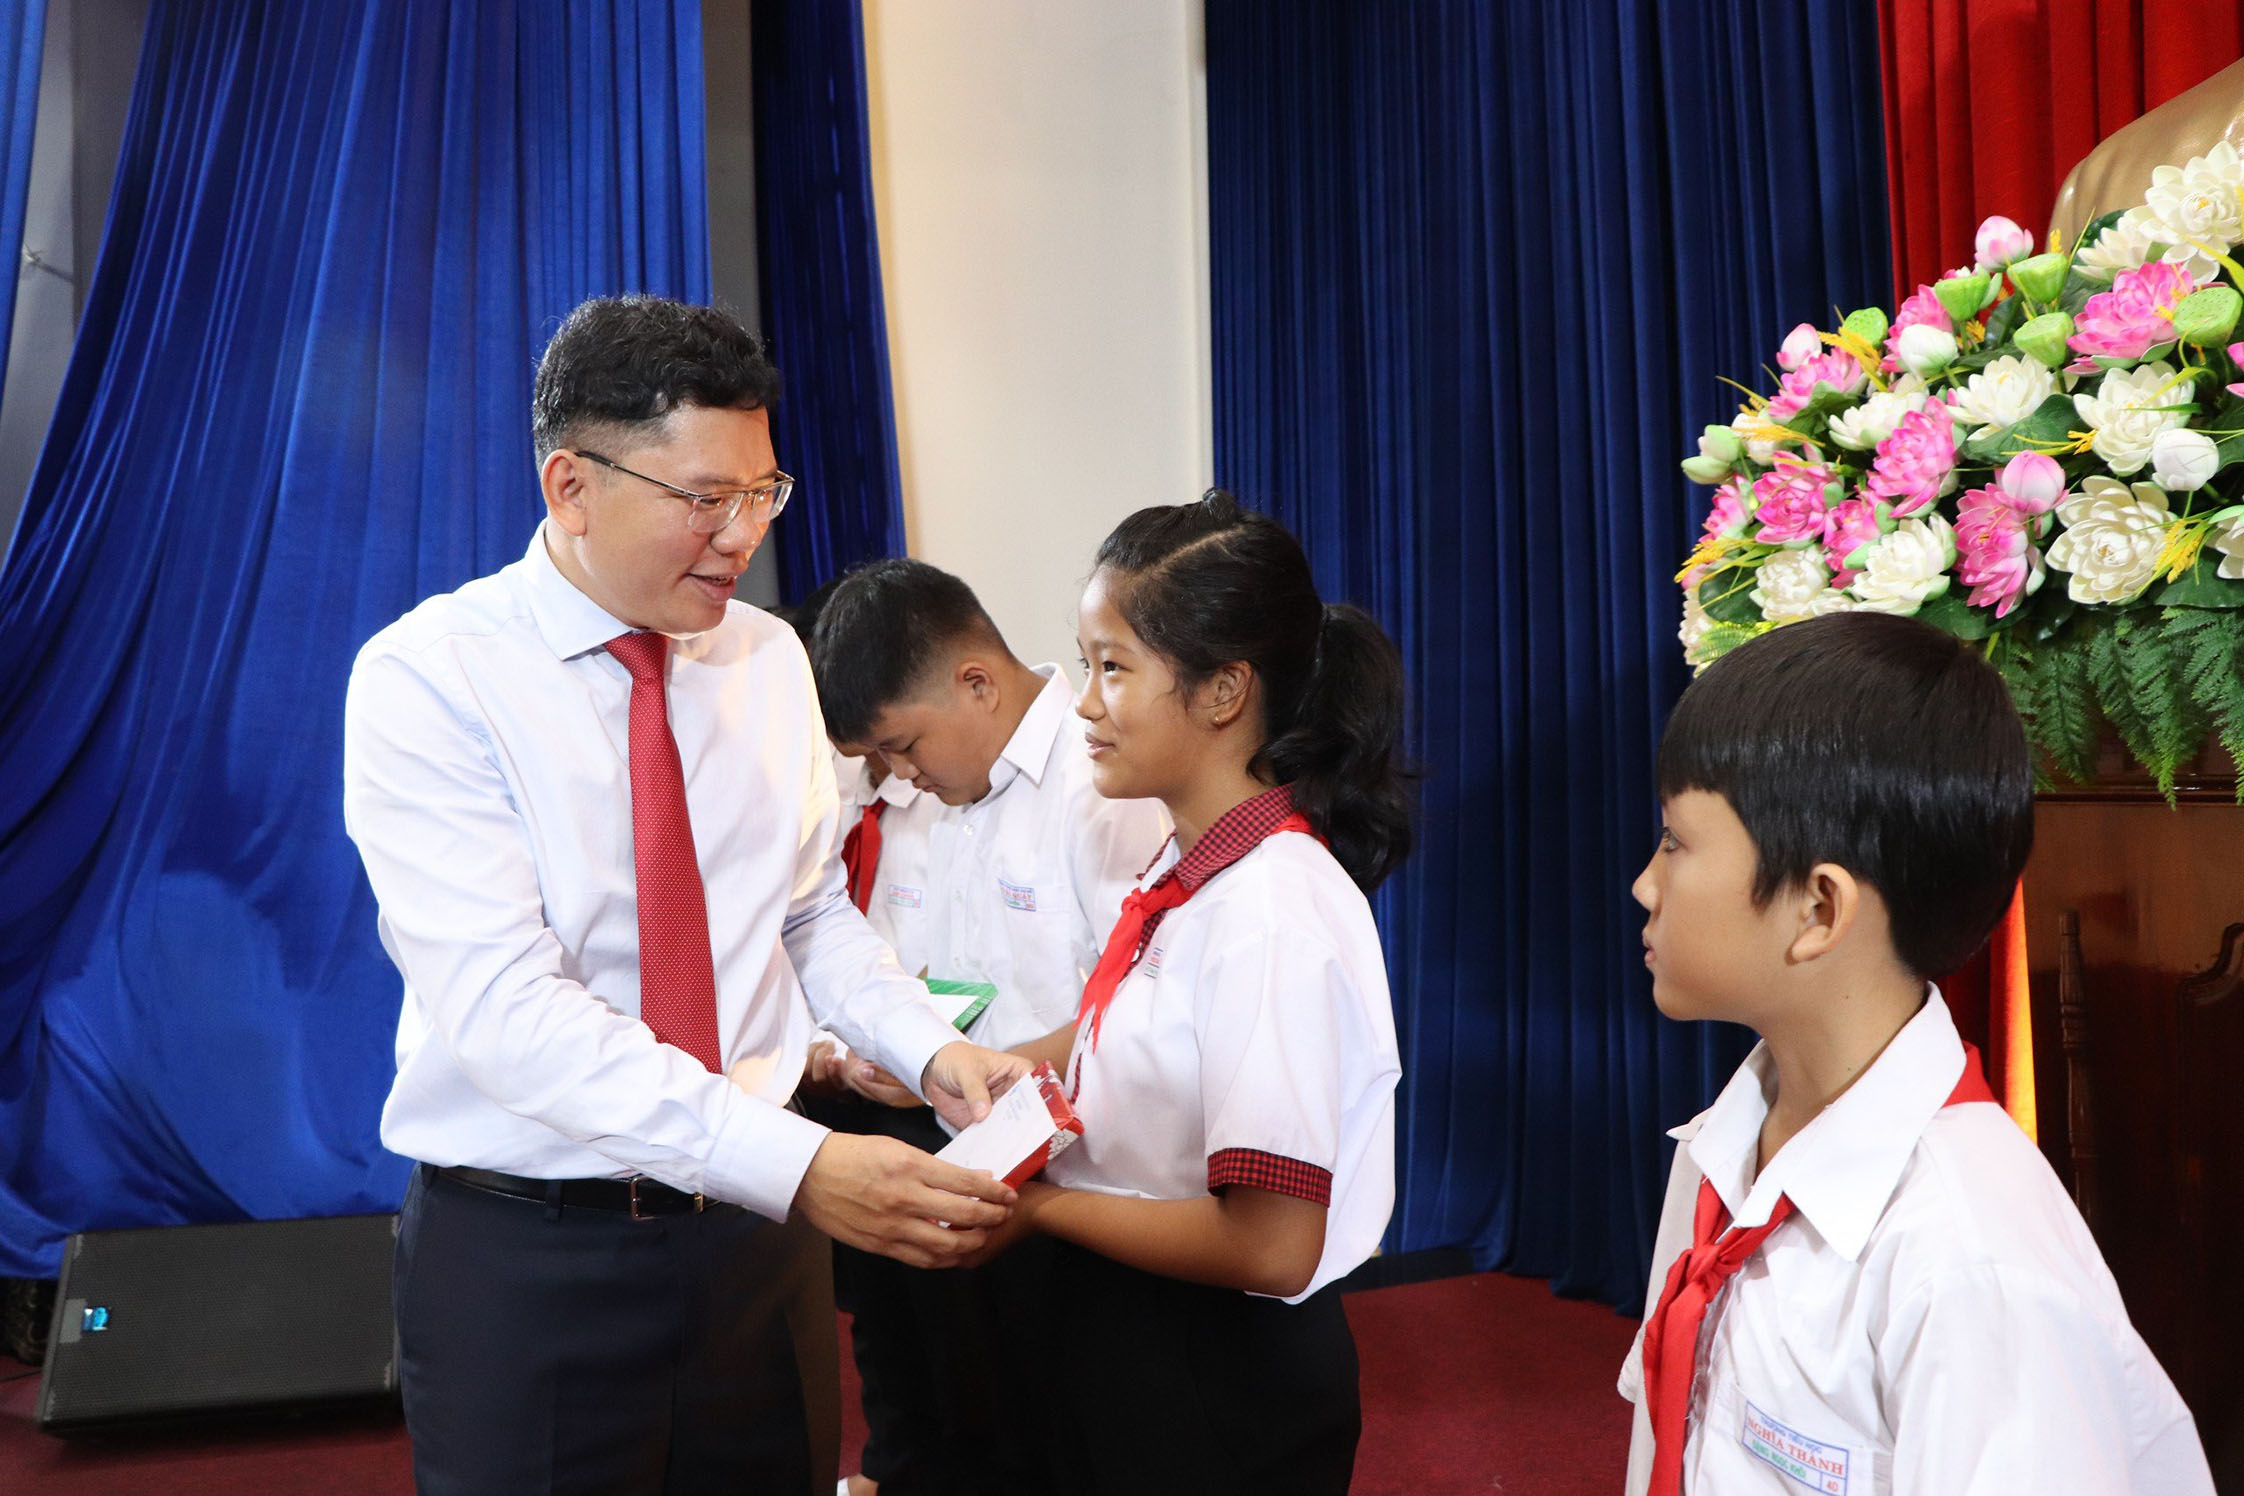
(2135, 937)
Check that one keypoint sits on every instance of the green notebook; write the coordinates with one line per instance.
(975, 995)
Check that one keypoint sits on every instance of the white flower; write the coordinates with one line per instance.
(1831, 600)
(2127, 413)
(2183, 461)
(1693, 631)
(1786, 586)
(2126, 245)
(1871, 422)
(1757, 448)
(1907, 567)
(2195, 204)
(2004, 393)
(1924, 349)
(2112, 537)
(2228, 539)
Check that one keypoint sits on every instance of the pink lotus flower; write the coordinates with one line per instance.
(1732, 511)
(2236, 356)
(1921, 310)
(1791, 500)
(1999, 243)
(1800, 345)
(1850, 525)
(1796, 389)
(1917, 463)
(2032, 482)
(2135, 315)
(1996, 527)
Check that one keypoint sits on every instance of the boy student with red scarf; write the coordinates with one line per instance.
(1866, 1278)
(1007, 869)
(1233, 1058)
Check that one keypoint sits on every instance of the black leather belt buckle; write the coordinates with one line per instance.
(650, 1207)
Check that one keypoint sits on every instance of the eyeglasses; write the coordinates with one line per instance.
(712, 512)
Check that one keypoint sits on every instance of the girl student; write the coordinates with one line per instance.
(1233, 1059)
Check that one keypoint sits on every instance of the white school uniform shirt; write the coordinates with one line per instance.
(1253, 1043)
(487, 783)
(1020, 888)
(1934, 1320)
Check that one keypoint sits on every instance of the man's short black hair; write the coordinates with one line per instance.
(1877, 743)
(619, 364)
(885, 629)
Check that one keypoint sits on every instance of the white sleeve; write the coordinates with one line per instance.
(849, 974)
(463, 916)
(1276, 1016)
(2000, 1380)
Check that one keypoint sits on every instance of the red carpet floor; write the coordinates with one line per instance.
(1479, 1384)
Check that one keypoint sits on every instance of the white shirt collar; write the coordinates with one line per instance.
(1842, 1168)
(569, 621)
(1029, 750)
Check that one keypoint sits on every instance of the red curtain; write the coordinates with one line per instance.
(1989, 103)
(1993, 1008)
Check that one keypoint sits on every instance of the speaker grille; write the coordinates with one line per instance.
(188, 1319)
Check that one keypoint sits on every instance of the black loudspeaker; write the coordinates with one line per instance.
(180, 1321)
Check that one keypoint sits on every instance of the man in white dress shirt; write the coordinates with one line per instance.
(594, 799)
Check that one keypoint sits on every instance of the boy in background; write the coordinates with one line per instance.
(1009, 869)
(1866, 1278)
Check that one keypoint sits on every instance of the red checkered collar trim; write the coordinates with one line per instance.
(1236, 833)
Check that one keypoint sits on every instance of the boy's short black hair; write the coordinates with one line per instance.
(887, 626)
(620, 363)
(1877, 743)
(803, 617)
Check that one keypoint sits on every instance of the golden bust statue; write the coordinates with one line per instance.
(2117, 173)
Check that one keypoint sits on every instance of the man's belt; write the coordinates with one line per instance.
(640, 1198)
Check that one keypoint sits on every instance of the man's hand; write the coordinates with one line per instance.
(880, 1195)
(962, 1078)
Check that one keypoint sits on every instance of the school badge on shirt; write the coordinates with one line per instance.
(1017, 896)
(1819, 1466)
(903, 898)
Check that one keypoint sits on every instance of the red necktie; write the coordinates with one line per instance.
(677, 979)
(861, 854)
(1671, 1333)
(1142, 909)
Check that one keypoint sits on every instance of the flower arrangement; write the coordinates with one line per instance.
(2044, 451)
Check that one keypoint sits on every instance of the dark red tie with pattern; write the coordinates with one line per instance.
(861, 854)
(677, 979)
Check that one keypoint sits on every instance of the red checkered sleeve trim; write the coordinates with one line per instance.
(1269, 1171)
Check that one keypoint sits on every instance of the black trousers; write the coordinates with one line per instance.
(549, 1349)
(942, 1353)
(1161, 1386)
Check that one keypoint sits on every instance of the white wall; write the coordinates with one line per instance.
(1039, 174)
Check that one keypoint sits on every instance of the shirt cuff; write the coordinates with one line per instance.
(762, 1153)
(1269, 1171)
(908, 1038)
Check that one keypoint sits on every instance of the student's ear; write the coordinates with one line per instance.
(1224, 695)
(563, 479)
(1826, 903)
(975, 678)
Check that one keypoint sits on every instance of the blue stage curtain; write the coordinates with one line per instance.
(23, 29)
(819, 260)
(1475, 270)
(298, 404)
